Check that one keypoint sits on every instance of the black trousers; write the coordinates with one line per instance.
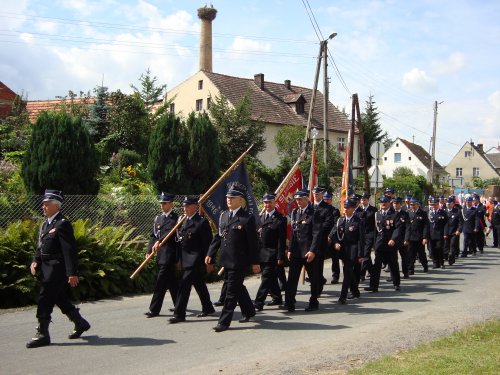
(293, 280)
(335, 265)
(480, 240)
(416, 248)
(352, 271)
(495, 235)
(280, 271)
(268, 283)
(389, 257)
(236, 293)
(451, 248)
(436, 247)
(405, 259)
(166, 280)
(51, 294)
(496, 229)
(469, 244)
(193, 276)
(367, 263)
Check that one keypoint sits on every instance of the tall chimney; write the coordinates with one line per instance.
(206, 15)
(288, 84)
(259, 80)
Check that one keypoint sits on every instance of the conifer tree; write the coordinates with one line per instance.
(60, 155)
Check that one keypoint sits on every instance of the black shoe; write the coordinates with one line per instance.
(218, 303)
(406, 277)
(205, 313)
(353, 295)
(342, 301)
(412, 272)
(370, 289)
(220, 328)
(275, 302)
(246, 318)
(172, 309)
(150, 314)
(258, 307)
(310, 308)
(289, 308)
(335, 281)
(442, 266)
(397, 287)
(176, 320)
(426, 269)
(436, 266)
(463, 256)
(389, 280)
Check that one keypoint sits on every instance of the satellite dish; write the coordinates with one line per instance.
(377, 149)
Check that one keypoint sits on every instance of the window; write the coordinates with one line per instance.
(409, 157)
(199, 105)
(397, 144)
(397, 157)
(458, 172)
(209, 102)
(468, 154)
(385, 158)
(200, 84)
(172, 107)
(341, 143)
(475, 172)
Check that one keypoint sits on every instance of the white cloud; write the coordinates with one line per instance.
(243, 45)
(47, 26)
(453, 64)
(494, 100)
(26, 37)
(417, 81)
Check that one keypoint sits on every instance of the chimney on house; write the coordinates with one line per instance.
(480, 147)
(288, 84)
(206, 15)
(259, 80)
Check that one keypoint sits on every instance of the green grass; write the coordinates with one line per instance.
(474, 350)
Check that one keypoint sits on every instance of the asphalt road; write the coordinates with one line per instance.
(337, 337)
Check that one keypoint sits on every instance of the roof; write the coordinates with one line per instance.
(494, 159)
(7, 96)
(423, 156)
(270, 103)
(489, 158)
(36, 106)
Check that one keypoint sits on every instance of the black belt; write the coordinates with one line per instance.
(52, 257)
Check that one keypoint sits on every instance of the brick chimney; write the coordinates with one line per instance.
(259, 80)
(206, 15)
(480, 147)
(288, 84)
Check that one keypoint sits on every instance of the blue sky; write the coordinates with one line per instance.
(407, 54)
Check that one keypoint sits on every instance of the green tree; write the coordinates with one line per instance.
(168, 155)
(15, 129)
(372, 128)
(402, 172)
(61, 156)
(98, 118)
(203, 160)
(236, 128)
(149, 92)
(74, 104)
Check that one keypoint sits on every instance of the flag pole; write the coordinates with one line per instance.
(202, 199)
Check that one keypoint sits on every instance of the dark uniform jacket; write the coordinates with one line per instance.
(402, 217)
(194, 237)
(481, 213)
(306, 232)
(350, 235)
(470, 220)
(56, 250)
(272, 237)
(325, 215)
(368, 216)
(437, 221)
(417, 227)
(454, 222)
(237, 240)
(162, 226)
(389, 227)
(495, 216)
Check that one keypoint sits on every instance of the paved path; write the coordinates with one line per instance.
(122, 341)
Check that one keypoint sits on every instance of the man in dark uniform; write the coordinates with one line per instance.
(367, 213)
(389, 192)
(324, 213)
(347, 237)
(306, 237)
(442, 202)
(388, 226)
(272, 244)
(437, 222)
(327, 198)
(452, 230)
(470, 227)
(495, 220)
(238, 244)
(402, 248)
(481, 213)
(193, 238)
(166, 255)
(56, 258)
(417, 235)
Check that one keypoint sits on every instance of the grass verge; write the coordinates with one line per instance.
(474, 350)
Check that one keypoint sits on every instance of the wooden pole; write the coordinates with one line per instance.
(202, 199)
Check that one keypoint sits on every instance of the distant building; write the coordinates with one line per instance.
(403, 153)
(7, 97)
(471, 161)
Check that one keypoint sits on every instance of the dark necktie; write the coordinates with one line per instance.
(230, 215)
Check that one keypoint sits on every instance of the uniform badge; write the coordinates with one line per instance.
(239, 227)
(351, 228)
(303, 221)
(53, 230)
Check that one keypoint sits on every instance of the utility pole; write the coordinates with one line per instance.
(433, 154)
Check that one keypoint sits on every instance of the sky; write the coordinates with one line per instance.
(406, 54)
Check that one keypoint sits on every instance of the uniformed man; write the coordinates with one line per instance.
(437, 222)
(389, 192)
(401, 247)
(305, 241)
(442, 202)
(193, 238)
(388, 226)
(481, 213)
(56, 260)
(367, 213)
(328, 198)
(238, 244)
(272, 245)
(495, 220)
(452, 230)
(470, 227)
(324, 214)
(166, 255)
(347, 237)
(417, 235)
